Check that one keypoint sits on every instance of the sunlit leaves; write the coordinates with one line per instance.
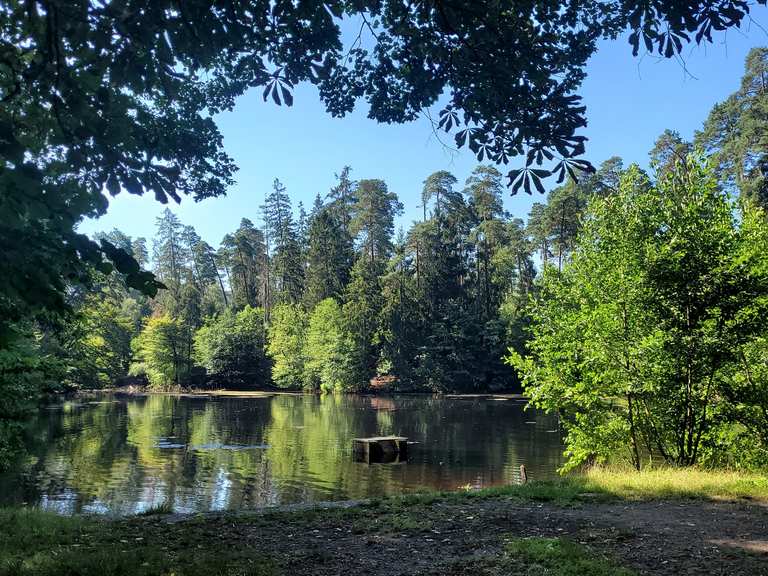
(635, 338)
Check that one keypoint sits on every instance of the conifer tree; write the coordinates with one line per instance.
(244, 256)
(169, 253)
(373, 219)
(361, 310)
(736, 132)
(484, 188)
(329, 258)
(287, 266)
(139, 252)
(342, 198)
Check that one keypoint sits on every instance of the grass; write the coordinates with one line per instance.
(537, 557)
(37, 543)
(604, 484)
(165, 507)
(560, 557)
(671, 483)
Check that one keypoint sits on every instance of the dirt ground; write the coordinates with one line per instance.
(464, 538)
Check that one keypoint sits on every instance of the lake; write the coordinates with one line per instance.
(121, 454)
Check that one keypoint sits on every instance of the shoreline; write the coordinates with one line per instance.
(500, 396)
(663, 522)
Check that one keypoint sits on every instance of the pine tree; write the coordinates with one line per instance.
(342, 198)
(362, 310)
(329, 259)
(565, 206)
(736, 132)
(302, 225)
(118, 239)
(204, 257)
(670, 153)
(484, 188)
(446, 346)
(286, 254)
(373, 220)
(244, 257)
(538, 231)
(169, 253)
(402, 314)
(438, 187)
(139, 252)
(317, 206)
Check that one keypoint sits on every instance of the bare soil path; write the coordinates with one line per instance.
(449, 538)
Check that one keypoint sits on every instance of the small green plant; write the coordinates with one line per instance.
(165, 507)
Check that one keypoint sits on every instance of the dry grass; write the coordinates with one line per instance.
(666, 482)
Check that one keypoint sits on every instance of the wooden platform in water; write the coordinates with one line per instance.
(380, 449)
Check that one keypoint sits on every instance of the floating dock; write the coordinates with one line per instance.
(384, 449)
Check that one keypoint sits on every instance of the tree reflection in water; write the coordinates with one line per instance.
(124, 454)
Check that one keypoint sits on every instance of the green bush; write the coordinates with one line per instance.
(326, 346)
(651, 342)
(287, 335)
(231, 347)
(163, 352)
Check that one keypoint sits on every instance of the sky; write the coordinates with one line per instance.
(630, 102)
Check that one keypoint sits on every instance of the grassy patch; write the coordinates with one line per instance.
(562, 491)
(560, 557)
(664, 483)
(35, 543)
(536, 557)
(601, 484)
(162, 508)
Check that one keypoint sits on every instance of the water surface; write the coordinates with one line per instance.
(122, 454)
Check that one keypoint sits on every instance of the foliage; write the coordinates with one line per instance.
(23, 376)
(231, 347)
(636, 341)
(93, 349)
(286, 336)
(243, 256)
(100, 97)
(342, 198)
(670, 152)
(170, 252)
(163, 352)
(287, 254)
(362, 309)
(735, 132)
(373, 218)
(326, 349)
(329, 257)
(424, 312)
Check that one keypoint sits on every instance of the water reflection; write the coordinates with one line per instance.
(119, 454)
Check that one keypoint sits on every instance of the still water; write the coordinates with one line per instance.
(120, 454)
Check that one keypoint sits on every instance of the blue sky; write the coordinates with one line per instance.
(630, 101)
